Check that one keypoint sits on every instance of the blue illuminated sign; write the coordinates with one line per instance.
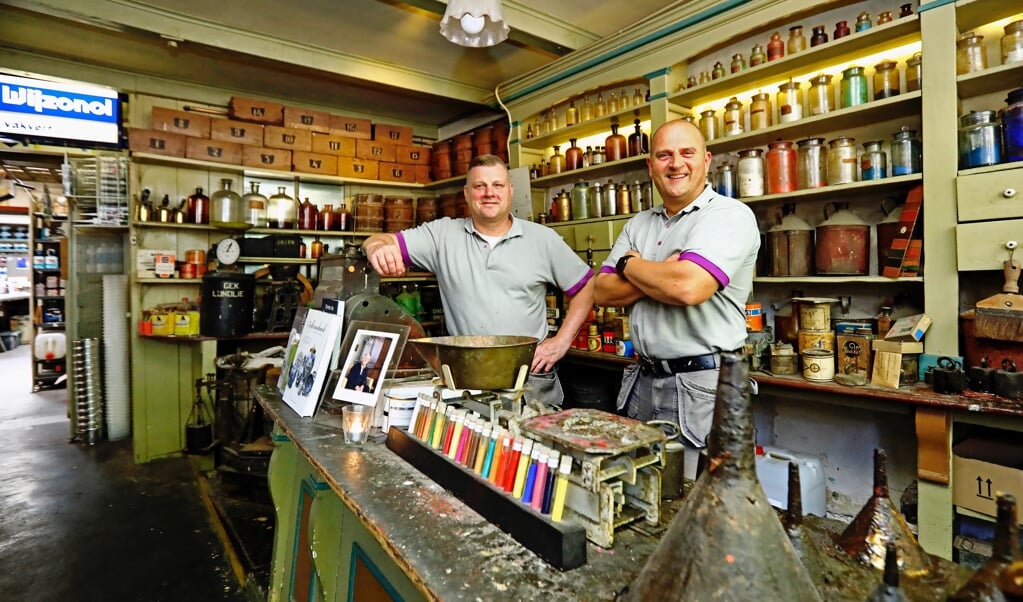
(58, 110)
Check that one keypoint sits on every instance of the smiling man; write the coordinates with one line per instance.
(493, 271)
(686, 269)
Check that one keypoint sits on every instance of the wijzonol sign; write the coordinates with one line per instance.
(41, 109)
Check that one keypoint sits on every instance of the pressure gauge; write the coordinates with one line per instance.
(228, 251)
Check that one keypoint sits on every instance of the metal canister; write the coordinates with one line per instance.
(750, 170)
(819, 98)
(971, 55)
(760, 112)
(790, 243)
(624, 199)
(980, 139)
(790, 102)
(781, 167)
(733, 118)
(907, 152)
(726, 184)
(811, 164)
(580, 200)
(843, 164)
(610, 206)
(563, 202)
(873, 161)
(853, 87)
(709, 124)
(596, 200)
(886, 79)
(914, 72)
(639, 201)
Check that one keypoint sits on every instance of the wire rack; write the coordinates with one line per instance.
(98, 189)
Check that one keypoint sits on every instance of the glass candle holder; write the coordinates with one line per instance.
(355, 422)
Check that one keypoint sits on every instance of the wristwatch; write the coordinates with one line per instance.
(620, 266)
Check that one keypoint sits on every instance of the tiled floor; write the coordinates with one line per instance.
(80, 523)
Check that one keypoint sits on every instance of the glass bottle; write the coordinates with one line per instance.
(914, 72)
(623, 100)
(853, 87)
(555, 122)
(790, 102)
(573, 156)
(571, 114)
(709, 125)
(873, 161)
(198, 208)
(971, 56)
(586, 111)
(811, 163)
(615, 146)
(598, 155)
(545, 124)
(639, 142)
(588, 156)
(316, 248)
(538, 126)
(775, 47)
(307, 215)
(841, 30)
(1012, 43)
(797, 41)
(884, 17)
(738, 63)
(886, 79)
(760, 113)
(557, 161)
(718, 71)
(733, 118)
(907, 152)
(529, 131)
(327, 219)
(600, 108)
(780, 164)
(255, 206)
(843, 164)
(757, 55)
(819, 36)
(226, 208)
(704, 77)
(637, 98)
(343, 218)
(905, 10)
(726, 184)
(282, 211)
(691, 81)
(863, 21)
(750, 173)
(820, 99)
(612, 103)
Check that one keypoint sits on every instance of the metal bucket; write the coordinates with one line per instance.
(477, 361)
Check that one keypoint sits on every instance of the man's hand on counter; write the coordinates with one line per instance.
(384, 254)
(547, 353)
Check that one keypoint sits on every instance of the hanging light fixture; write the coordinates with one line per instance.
(474, 23)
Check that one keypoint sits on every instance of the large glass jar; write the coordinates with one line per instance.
(971, 55)
(980, 139)
(873, 161)
(718, 71)
(709, 125)
(790, 102)
(853, 87)
(757, 55)
(843, 164)
(750, 180)
(1012, 125)
(282, 211)
(886, 79)
(907, 152)
(819, 98)
(914, 72)
(760, 113)
(639, 142)
(308, 215)
(797, 41)
(780, 167)
(738, 63)
(327, 218)
(775, 47)
(255, 206)
(733, 118)
(1012, 43)
(197, 209)
(811, 163)
(226, 208)
(616, 147)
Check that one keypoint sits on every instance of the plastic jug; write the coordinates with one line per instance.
(50, 345)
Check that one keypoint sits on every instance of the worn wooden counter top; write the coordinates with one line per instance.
(452, 553)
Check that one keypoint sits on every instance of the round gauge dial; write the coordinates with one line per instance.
(228, 251)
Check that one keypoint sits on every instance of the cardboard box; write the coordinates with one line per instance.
(351, 127)
(156, 142)
(329, 144)
(910, 328)
(325, 165)
(395, 134)
(423, 174)
(256, 111)
(375, 151)
(897, 346)
(180, 122)
(412, 155)
(397, 172)
(307, 119)
(213, 150)
(266, 158)
(145, 261)
(229, 130)
(357, 168)
(287, 138)
(983, 468)
(854, 355)
(887, 369)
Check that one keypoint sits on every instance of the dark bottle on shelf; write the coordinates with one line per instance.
(639, 142)
(343, 218)
(573, 156)
(198, 208)
(307, 214)
(615, 145)
(327, 220)
(819, 36)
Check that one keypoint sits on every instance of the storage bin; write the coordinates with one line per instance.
(773, 471)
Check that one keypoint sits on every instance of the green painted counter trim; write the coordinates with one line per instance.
(279, 438)
(359, 554)
(686, 23)
(658, 73)
(654, 97)
(934, 4)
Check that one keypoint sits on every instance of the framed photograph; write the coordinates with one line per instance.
(368, 359)
(328, 411)
(308, 369)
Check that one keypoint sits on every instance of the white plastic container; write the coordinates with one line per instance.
(50, 345)
(398, 402)
(773, 472)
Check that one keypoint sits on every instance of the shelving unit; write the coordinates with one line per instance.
(49, 279)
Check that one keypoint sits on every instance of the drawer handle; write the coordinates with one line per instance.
(1009, 193)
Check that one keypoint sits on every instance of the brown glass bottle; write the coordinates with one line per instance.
(983, 585)
(326, 221)
(573, 156)
(343, 218)
(615, 146)
(307, 214)
(557, 161)
(316, 249)
(775, 47)
(819, 36)
(198, 211)
(639, 142)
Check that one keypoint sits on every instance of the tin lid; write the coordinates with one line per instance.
(733, 103)
(789, 85)
(904, 133)
(841, 141)
(761, 96)
(751, 152)
(976, 118)
(810, 142)
(885, 65)
(822, 79)
(914, 60)
(872, 145)
(852, 71)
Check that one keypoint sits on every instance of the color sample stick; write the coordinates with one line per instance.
(481, 451)
(523, 466)
(456, 435)
(417, 416)
(469, 457)
(501, 460)
(449, 431)
(548, 488)
(540, 481)
(488, 459)
(527, 489)
(507, 480)
(463, 438)
(561, 488)
(438, 425)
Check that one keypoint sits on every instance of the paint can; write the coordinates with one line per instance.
(810, 339)
(815, 313)
(818, 365)
(754, 317)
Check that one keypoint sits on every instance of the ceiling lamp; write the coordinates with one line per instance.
(474, 23)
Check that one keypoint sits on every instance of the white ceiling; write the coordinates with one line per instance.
(376, 57)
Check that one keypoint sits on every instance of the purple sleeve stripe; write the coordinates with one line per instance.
(578, 285)
(606, 269)
(404, 249)
(714, 271)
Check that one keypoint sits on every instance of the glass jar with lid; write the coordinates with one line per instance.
(841, 30)
(282, 211)
(757, 55)
(853, 87)
(1012, 126)
(725, 183)
(886, 79)
(971, 56)
(580, 200)
(760, 113)
(734, 120)
(980, 139)
(914, 72)
(790, 102)
(718, 71)
(780, 162)
(738, 63)
(255, 206)
(819, 36)
(863, 21)
(775, 47)
(819, 98)
(226, 209)
(1012, 43)
(811, 163)
(843, 164)
(884, 17)
(797, 41)
(709, 125)
(873, 161)
(750, 173)
(557, 161)
(907, 152)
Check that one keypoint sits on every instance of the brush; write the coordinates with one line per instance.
(1001, 316)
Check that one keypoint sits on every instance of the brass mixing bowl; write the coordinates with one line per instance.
(478, 361)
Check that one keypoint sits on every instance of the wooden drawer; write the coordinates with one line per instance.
(990, 195)
(593, 235)
(566, 231)
(981, 245)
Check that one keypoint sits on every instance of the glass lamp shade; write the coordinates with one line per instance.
(474, 23)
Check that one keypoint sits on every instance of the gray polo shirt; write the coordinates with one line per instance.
(499, 289)
(719, 234)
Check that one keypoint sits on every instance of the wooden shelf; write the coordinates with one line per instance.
(839, 191)
(971, 14)
(996, 79)
(451, 182)
(597, 125)
(592, 172)
(834, 280)
(182, 281)
(278, 260)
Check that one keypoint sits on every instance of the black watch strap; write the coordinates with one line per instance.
(620, 266)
